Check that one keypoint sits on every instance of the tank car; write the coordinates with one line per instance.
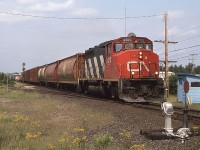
(124, 68)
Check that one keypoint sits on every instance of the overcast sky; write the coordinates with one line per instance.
(38, 41)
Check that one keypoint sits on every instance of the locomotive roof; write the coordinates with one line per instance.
(102, 45)
(105, 43)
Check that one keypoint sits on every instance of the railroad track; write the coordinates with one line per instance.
(193, 114)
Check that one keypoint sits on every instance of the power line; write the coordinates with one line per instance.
(181, 49)
(181, 41)
(193, 59)
(180, 56)
(185, 57)
(146, 16)
(77, 18)
(189, 38)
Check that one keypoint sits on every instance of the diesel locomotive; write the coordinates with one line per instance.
(126, 68)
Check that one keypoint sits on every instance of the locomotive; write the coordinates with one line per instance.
(125, 68)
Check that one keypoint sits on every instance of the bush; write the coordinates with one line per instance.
(102, 141)
(173, 85)
(4, 78)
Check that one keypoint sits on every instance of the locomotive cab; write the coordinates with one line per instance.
(131, 57)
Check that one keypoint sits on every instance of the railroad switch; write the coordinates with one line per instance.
(168, 132)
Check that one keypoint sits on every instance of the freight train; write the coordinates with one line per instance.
(125, 68)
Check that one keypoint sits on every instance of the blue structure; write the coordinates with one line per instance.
(193, 96)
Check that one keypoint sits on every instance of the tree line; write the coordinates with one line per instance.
(189, 68)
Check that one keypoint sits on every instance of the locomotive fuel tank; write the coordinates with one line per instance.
(96, 90)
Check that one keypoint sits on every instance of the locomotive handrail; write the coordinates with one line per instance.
(150, 67)
(140, 68)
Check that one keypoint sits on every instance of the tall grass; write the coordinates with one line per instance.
(32, 121)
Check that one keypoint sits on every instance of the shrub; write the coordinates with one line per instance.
(102, 141)
(173, 84)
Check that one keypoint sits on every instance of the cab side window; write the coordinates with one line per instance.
(108, 47)
(148, 46)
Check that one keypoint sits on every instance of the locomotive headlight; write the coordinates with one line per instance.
(156, 72)
(132, 73)
(140, 55)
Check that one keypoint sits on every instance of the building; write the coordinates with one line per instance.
(193, 95)
(162, 74)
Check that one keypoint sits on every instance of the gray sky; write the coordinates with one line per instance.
(38, 41)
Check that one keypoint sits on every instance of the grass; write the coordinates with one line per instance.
(32, 121)
(173, 99)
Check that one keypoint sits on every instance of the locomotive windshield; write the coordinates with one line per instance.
(132, 43)
(129, 46)
(118, 47)
(139, 46)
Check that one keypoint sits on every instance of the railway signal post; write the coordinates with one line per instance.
(185, 110)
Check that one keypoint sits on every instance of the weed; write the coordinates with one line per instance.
(126, 138)
(102, 141)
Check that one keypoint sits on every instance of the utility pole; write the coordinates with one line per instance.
(166, 54)
(7, 83)
(23, 69)
(192, 59)
(125, 19)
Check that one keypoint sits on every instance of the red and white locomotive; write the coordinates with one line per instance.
(124, 68)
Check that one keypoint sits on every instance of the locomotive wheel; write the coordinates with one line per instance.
(79, 89)
(86, 90)
(133, 94)
(114, 93)
(108, 91)
(58, 86)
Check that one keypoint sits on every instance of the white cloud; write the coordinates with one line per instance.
(27, 1)
(183, 32)
(173, 31)
(85, 12)
(190, 31)
(176, 14)
(52, 6)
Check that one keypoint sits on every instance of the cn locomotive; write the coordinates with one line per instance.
(125, 68)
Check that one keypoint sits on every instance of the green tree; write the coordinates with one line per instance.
(173, 84)
(188, 68)
(197, 70)
(181, 69)
(3, 80)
